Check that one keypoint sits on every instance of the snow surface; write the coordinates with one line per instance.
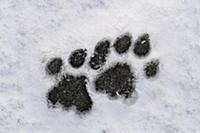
(33, 31)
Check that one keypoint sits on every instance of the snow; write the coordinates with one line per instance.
(33, 31)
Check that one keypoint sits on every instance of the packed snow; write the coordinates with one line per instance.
(34, 31)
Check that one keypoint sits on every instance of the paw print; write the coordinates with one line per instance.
(116, 81)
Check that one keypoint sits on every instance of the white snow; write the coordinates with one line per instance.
(33, 31)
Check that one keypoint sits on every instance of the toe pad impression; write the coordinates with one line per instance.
(142, 46)
(54, 66)
(123, 43)
(77, 58)
(100, 53)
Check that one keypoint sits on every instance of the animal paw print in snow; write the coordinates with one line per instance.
(116, 81)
